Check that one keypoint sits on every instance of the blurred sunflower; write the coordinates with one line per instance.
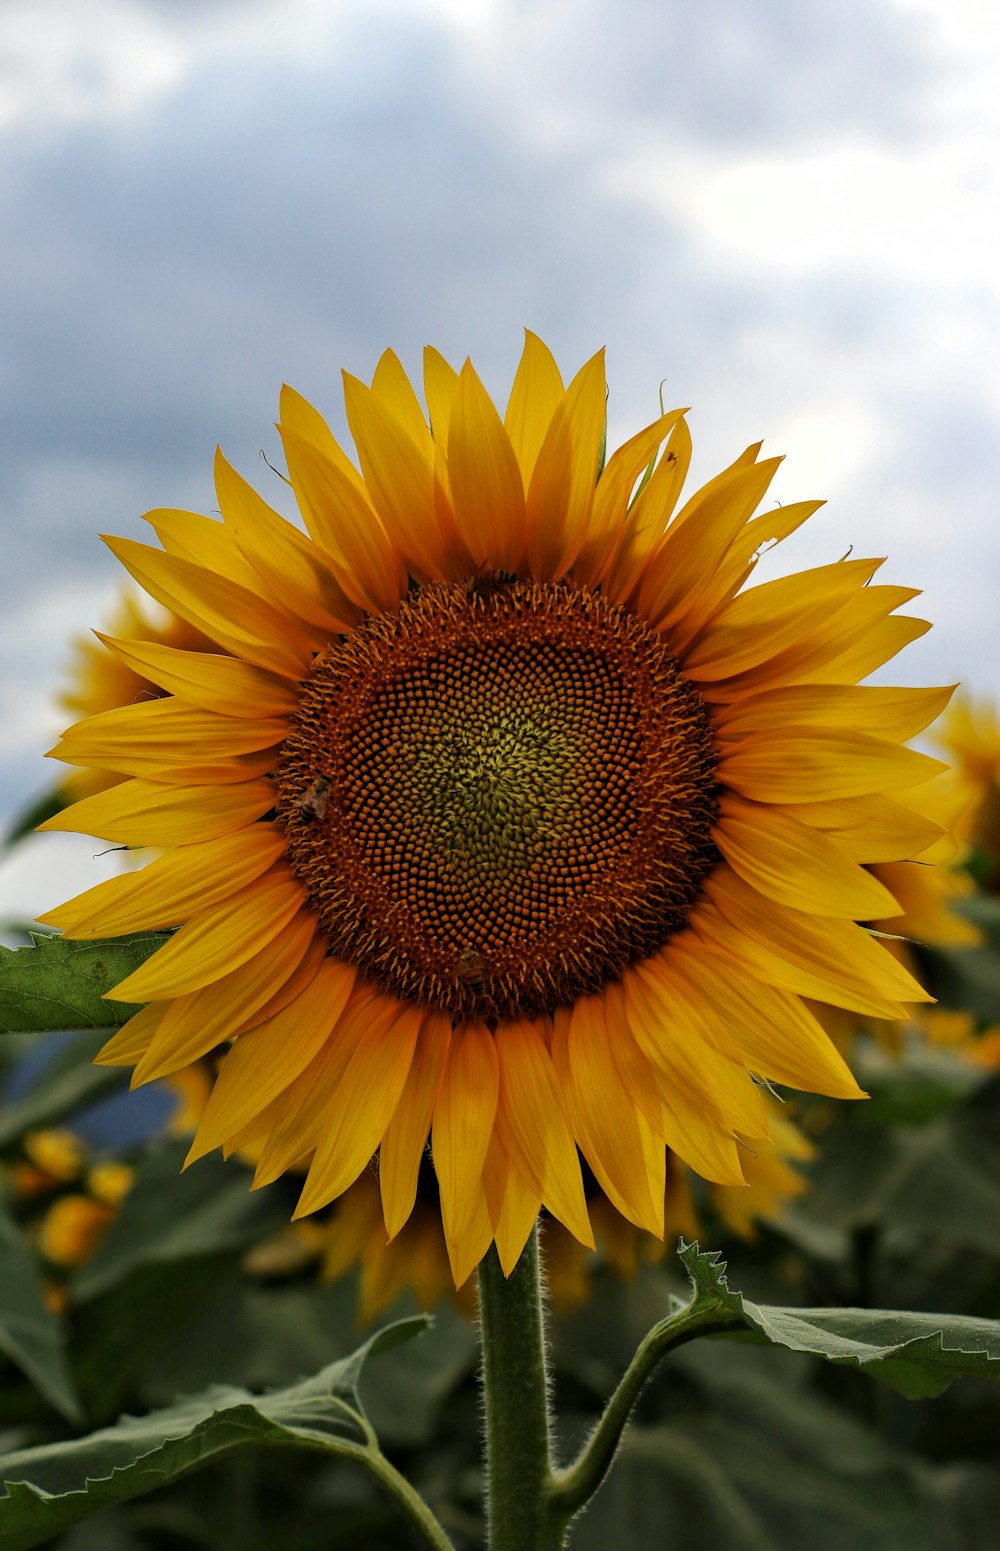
(970, 735)
(99, 680)
(64, 1201)
(508, 818)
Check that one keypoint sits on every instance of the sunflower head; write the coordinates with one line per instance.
(500, 811)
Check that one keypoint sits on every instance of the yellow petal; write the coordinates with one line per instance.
(133, 1039)
(716, 589)
(560, 496)
(221, 684)
(795, 864)
(234, 616)
(157, 736)
(400, 483)
(872, 829)
(172, 887)
(204, 542)
(391, 385)
(765, 620)
(693, 1131)
(405, 1140)
(281, 557)
(534, 398)
(345, 526)
(857, 638)
(895, 714)
(649, 515)
(468, 1247)
(778, 1036)
(264, 1062)
(815, 764)
(216, 941)
(533, 1128)
(148, 813)
(603, 1115)
(294, 1122)
(696, 546)
(486, 484)
(513, 1204)
(299, 416)
(464, 1116)
(832, 961)
(611, 499)
(194, 1024)
(674, 1026)
(365, 1101)
(440, 383)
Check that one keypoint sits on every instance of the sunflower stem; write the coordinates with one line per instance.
(516, 1394)
(573, 1487)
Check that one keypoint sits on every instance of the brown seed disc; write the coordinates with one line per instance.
(498, 796)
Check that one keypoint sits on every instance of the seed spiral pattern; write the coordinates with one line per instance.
(498, 795)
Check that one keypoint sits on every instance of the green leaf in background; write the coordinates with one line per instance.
(27, 821)
(918, 1354)
(65, 1084)
(58, 984)
(55, 1485)
(169, 1215)
(29, 1334)
(740, 1455)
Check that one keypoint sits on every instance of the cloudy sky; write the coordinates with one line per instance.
(789, 212)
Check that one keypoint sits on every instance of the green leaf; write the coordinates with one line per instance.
(918, 1354)
(55, 1485)
(29, 1334)
(58, 984)
(67, 1084)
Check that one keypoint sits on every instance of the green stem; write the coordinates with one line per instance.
(407, 1498)
(573, 1487)
(515, 1388)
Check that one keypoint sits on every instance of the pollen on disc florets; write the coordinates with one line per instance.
(498, 795)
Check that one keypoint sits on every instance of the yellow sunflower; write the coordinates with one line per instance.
(507, 818)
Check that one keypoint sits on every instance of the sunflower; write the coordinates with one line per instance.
(504, 815)
(100, 680)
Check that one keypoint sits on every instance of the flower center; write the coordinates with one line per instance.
(498, 795)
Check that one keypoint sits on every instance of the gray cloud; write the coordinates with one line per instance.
(273, 219)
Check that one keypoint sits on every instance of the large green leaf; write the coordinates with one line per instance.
(918, 1354)
(57, 1484)
(29, 1334)
(58, 984)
